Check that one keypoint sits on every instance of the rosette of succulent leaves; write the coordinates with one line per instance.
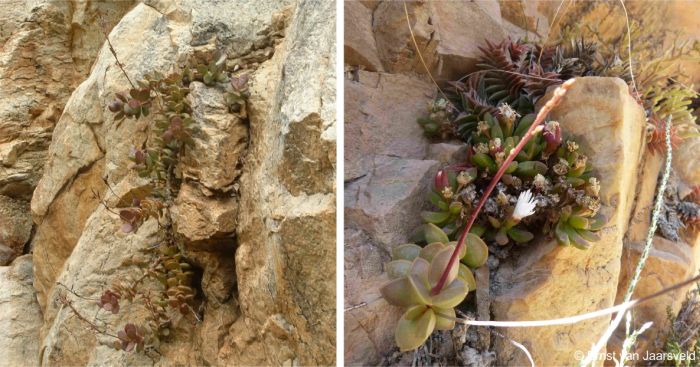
(163, 284)
(415, 270)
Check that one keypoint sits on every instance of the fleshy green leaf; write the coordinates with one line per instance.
(477, 251)
(408, 251)
(451, 295)
(439, 264)
(430, 250)
(435, 217)
(433, 233)
(467, 276)
(412, 333)
(520, 235)
(445, 318)
(398, 268)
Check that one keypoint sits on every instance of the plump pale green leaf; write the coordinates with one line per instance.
(421, 267)
(412, 333)
(435, 217)
(439, 264)
(421, 288)
(452, 295)
(408, 252)
(434, 234)
(477, 251)
(467, 276)
(401, 292)
(444, 318)
(560, 234)
(462, 251)
(431, 249)
(588, 235)
(520, 235)
(398, 268)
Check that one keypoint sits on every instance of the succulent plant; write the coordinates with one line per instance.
(130, 339)
(518, 73)
(553, 169)
(238, 94)
(214, 72)
(164, 281)
(414, 271)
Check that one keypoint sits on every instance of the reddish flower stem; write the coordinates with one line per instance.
(553, 102)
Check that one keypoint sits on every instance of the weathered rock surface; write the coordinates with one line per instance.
(285, 262)
(20, 315)
(360, 47)
(47, 49)
(15, 228)
(379, 203)
(381, 119)
(369, 319)
(548, 281)
(288, 193)
(688, 170)
(215, 159)
(445, 33)
(669, 263)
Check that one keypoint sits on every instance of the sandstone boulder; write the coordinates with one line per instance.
(385, 204)
(380, 119)
(20, 315)
(15, 228)
(668, 263)
(360, 47)
(548, 281)
(448, 35)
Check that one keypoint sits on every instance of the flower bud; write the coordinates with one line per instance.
(552, 137)
(441, 180)
(116, 106)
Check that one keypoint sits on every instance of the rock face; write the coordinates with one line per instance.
(548, 281)
(15, 228)
(20, 315)
(377, 37)
(256, 208)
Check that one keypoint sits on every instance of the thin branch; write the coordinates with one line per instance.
(534, 129)
(420, 55)
(114, 53)
(554, 22)
(577, 318)
(62, 298)
(629, 49)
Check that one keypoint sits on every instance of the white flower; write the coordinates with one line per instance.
(525, 205)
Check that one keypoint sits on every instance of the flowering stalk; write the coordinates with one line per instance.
(534, 129)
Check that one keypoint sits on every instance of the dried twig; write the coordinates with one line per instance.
(114, 53)
(574, 319)
(64, 300)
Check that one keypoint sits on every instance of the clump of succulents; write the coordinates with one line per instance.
(163, 283)
(415, 271)
(518, 73)
(551, 173)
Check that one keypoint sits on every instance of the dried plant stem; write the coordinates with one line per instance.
(645, 252)
(629, 49)
(62, 298)
(621, 308)
(114, 53)
(539, 119)
(420, 55)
